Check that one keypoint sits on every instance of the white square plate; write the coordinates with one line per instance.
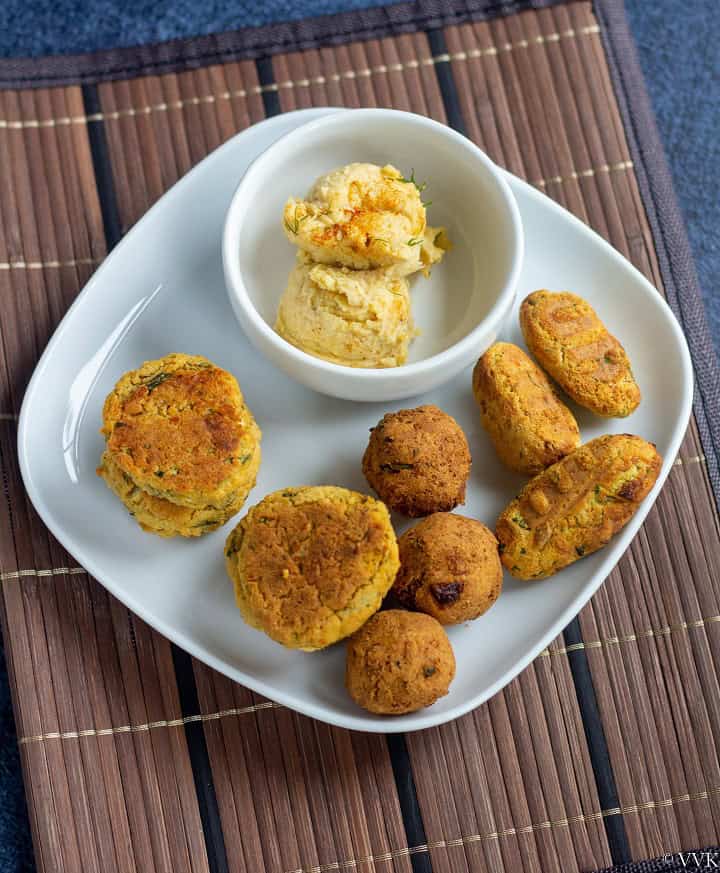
(162, 290)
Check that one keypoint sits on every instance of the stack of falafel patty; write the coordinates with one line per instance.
(182, 449)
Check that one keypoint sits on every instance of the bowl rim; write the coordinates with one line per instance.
(459, 350)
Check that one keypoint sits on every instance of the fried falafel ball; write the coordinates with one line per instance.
(418, 461)
(399, 662)
(449, 568)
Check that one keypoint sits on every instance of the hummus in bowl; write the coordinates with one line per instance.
(338, 189)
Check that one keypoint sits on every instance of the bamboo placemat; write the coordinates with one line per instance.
(137, 757)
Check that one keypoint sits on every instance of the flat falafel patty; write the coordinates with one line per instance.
(178, 429)
(399, 662)
(418, 461)
(159, 516)
(449, 568)
(310, 565)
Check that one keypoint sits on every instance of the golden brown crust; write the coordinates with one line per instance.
(574, 507)
(361, 216)
(310, 565)
(418, 461)
(569, 341)
(527, 422)
(178, 427)
(399, 662)
(161, 517)
(449, 568)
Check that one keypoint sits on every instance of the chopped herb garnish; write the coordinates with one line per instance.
(395, 467)
(520, 522)
(580, 551)
(159, 473)
(607, 359)
(156, 381)
(523, 551)
(379, 239)
(294, 225)
(429, 671)
(414, 241)
(413, 181)
(501, 548)
(426, 203)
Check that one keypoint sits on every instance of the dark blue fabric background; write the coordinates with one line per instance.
(679, 54)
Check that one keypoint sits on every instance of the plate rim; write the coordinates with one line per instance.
(363, 722)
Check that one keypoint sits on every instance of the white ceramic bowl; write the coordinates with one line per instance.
(459, 310)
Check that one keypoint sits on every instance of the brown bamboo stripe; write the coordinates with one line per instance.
(507, 787)
(339, 785)
(365, 72)
(129, 804)
(466, 840)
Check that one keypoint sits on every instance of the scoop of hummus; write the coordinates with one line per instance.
(360, 216)
(350, 317)
(429, 251)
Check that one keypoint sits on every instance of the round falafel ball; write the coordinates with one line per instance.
(310, 565)
(399, 662)
(449, 568)
(418, 461)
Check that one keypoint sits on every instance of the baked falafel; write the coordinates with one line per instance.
(576, 506)
(178, 429)
(310, 565)
(527, 422)
(570, 342)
